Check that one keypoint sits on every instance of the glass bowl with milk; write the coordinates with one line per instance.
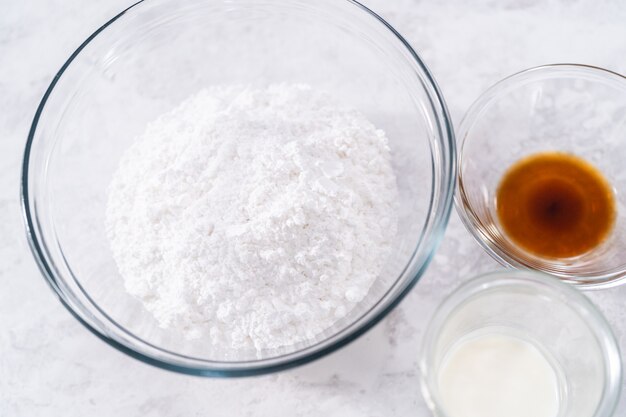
(518, 344)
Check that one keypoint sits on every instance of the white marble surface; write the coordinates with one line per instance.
(50, 365)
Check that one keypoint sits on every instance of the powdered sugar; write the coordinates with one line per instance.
(255, 218)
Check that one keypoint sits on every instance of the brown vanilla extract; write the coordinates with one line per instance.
(555, 205)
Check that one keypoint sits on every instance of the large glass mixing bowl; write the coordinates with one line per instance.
(153, 55)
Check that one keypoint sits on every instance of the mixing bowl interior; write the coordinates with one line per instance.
(151, 57)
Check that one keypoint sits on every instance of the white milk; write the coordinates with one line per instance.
(496, 375)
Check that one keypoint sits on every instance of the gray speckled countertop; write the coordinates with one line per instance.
(50, 365)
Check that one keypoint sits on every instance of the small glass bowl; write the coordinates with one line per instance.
(569, 108)
(153, 55)
(556, 318)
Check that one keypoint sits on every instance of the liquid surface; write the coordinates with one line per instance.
(555, 205)
(497, 375)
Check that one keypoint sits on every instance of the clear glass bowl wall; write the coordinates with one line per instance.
(151, 57)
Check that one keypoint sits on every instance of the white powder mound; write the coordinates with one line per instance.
(254, 218)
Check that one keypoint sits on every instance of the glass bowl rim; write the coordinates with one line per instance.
(430, 238)
(581, 304)
(465, 210)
